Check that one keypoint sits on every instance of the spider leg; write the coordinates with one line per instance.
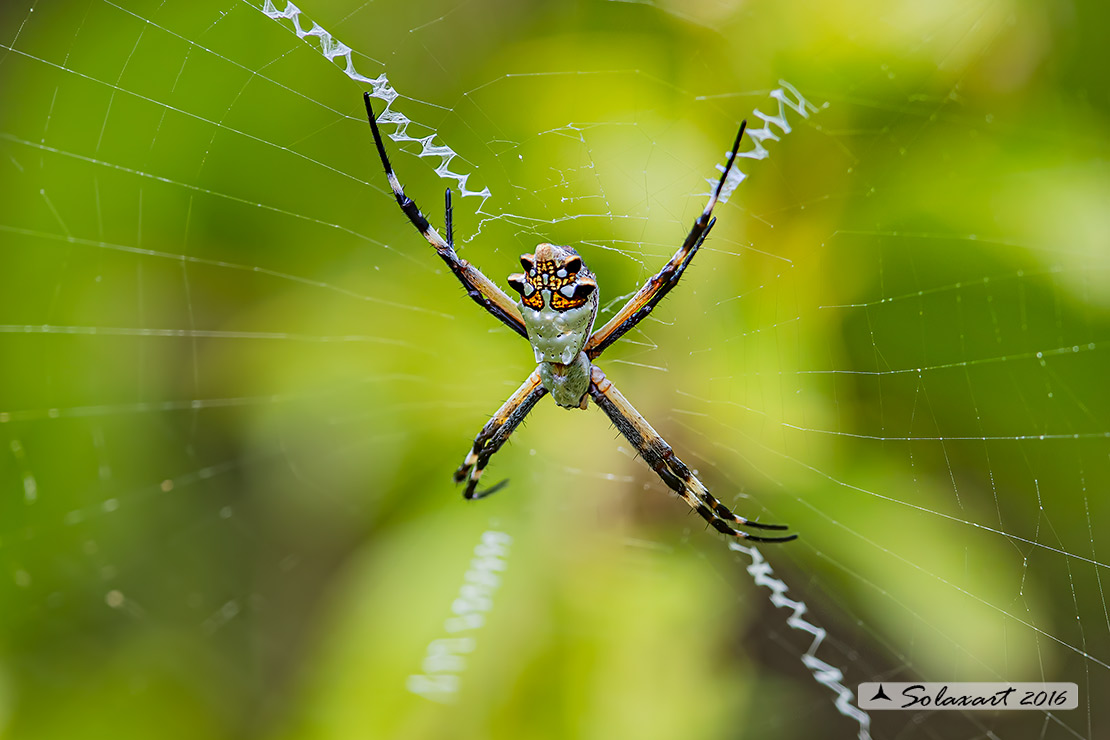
(655, 289)
(494, 434)
(447, 218)
(659, 455)
(481, 289)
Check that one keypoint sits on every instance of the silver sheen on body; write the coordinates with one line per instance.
(558, 303)
(556, 311)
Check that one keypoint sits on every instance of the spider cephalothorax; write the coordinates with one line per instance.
(558, 303)
(555, 313)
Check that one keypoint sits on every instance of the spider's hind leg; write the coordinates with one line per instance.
(659, 455)
(719, 510)
(494, 434)
(683, 482)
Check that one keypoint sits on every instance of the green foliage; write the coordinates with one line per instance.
(235, 382)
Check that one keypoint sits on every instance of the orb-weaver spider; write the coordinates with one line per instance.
(556, 311)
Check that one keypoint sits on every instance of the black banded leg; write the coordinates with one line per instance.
(655, 289)
(448, 224)
(481, 289)
(659, 455)
(494, 434)
(678, 468)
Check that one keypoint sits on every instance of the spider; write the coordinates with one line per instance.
(556, 311)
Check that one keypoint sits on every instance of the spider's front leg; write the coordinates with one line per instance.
(655, 289)
(480, 288)
(494, 434)
(659, 455)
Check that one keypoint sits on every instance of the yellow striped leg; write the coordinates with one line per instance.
(655, 289)
(659, 455)
(494, 434)
(481, 289)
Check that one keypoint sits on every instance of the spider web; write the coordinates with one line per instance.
(235, 382)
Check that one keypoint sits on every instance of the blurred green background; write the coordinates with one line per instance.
(234, 382)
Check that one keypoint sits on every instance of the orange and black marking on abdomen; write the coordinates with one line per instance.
(568, 290)
(534, 301)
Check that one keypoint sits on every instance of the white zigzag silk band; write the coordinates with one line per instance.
(334, 50)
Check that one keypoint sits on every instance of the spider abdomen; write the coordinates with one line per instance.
(567, 383)
(558, 336)
(557, 339)
(558, 304)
